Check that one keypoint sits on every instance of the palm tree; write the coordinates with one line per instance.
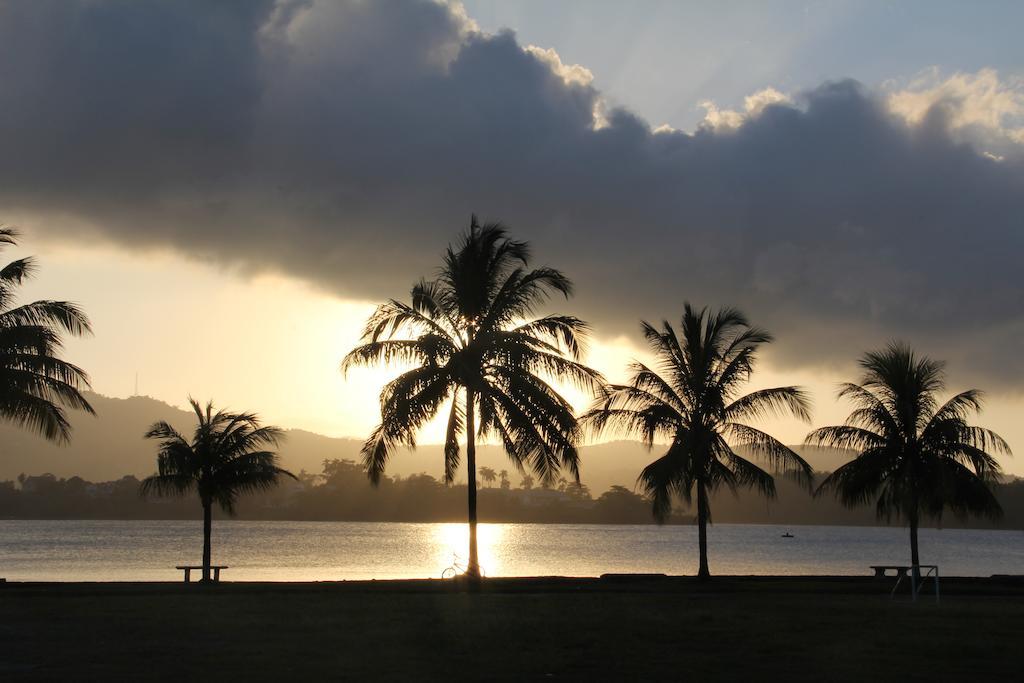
(505, 483)
(35, 384)
(470, 332)
(228, 456)
(691, 401)
(526, 483)
(488, 475)
(915, 456)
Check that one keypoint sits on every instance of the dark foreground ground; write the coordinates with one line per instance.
(578, 629)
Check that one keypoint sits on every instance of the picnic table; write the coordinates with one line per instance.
(187, 568)
(917, 580)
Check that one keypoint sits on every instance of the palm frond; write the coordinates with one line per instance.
(456, 425)
(964, 493)
(429, 348)
(766, 447)
(62, 315)
(563, 331)
(776, 402)
(57, 385)
(16, 272)
(166, 485)
(749, 475)
(9, 236)
(394, 317)
(661, 479)
(844, 437)
(407, 403)
(870, 412)
(521, 293)
(649, 381)
(537, 422)
(860, 480)
(37, 414)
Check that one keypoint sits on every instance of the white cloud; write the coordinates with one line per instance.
(981, 101)
(716, 117)
(466, 23)
(755, 103)
(980, 107)
(572, 74)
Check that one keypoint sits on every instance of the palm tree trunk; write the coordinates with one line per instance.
(473, 569)
(915, 558)
(703, 511)
(207, 530)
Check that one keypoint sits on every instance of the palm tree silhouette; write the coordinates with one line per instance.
(503, 476)
(915, 457)
(691, 401)
(36, 384)
(465, 333)
(228, 456)
(488, 475)
(526, 483)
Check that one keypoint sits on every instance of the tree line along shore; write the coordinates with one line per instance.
(340, 492)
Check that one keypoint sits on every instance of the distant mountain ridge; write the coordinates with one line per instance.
(111, 445)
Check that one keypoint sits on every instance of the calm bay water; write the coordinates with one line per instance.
(79, 550)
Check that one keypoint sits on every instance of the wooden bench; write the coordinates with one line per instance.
(187, 568)
(881, 569)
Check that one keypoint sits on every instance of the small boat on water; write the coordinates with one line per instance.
(787, 535)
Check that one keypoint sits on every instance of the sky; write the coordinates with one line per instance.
(663, 58)
(228, 188)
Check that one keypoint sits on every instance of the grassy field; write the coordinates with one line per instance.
(732, 629)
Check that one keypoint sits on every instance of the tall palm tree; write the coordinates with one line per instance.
(488, 475)
(691, 400)
(915, 456)
(472, 339)
(229, 455)
(35, 384)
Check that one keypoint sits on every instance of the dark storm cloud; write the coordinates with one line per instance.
(346, 143)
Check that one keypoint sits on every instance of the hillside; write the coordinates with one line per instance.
(110, 445)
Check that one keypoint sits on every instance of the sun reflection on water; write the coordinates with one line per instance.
(451, 541)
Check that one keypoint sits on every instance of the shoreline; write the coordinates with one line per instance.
(1000, 584)
(483, 522)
